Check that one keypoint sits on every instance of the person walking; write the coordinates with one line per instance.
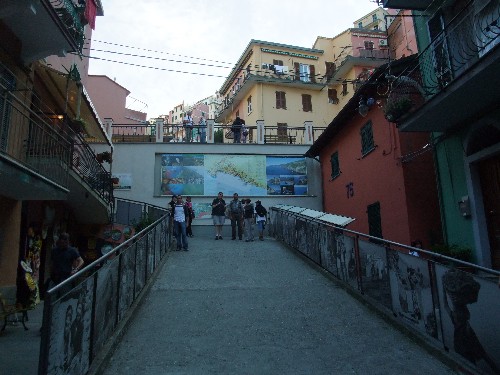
(189, 229)
(181, 214)
(236, 128)
(66, 260)
(260, 218)
(188, 126)
(218, 214)
(248, 212)
(203, 129)
(244, 132)
(236, 215)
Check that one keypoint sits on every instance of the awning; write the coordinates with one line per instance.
(56, 83)
(317, 215)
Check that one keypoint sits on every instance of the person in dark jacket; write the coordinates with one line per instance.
(236, 128)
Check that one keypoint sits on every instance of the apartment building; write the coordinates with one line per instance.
(286, 86)
(51, 180)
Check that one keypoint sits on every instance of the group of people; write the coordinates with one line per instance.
(193, 134)
(240, 131)
(242, 214)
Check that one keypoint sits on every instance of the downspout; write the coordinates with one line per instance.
(439, 190)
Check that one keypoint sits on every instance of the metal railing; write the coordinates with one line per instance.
(82, 313)
(470, 35)
(31, 141)
(70, 16)
(430, 293)
(126, 133)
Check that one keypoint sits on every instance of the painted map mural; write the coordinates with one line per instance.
(249, 175)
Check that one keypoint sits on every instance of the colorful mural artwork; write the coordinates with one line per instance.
(250, 175)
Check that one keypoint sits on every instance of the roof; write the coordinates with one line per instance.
(338, 220)
(350, 109)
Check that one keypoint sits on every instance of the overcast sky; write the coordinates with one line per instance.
(166, 52)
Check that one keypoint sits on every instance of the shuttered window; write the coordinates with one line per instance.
(374, 220)
(332, 96)
(306, 103)
(334, 161)
(367, 143)
(280, 100)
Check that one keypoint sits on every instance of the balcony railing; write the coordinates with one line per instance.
(26, 138)
(48, 149)
(470, 35)
(177, 133)
(71, 17)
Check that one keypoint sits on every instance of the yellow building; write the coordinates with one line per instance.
(285, 86)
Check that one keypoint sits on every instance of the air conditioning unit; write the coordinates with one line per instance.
(382, 43)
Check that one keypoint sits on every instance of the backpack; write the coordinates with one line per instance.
(261, 211)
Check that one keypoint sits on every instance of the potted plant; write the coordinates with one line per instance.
(397, 107)
(104, 157)
(78, 125)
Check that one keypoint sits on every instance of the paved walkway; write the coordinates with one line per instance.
(231, 307)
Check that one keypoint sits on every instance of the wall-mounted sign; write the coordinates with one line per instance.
(124, 181)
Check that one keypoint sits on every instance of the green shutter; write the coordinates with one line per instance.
(367, 144)
(334, 160)
(374, 220)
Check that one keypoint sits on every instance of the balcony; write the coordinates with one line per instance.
(407, 4)
(42, 158)
(43, 28)
(457, 72)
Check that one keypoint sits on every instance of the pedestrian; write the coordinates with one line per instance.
(218, 214)
(260, 218)
(244, 132)
(248, 210)
(171, 205)
(203, 129)
(180, 218)
(66, 260)
(236, 128)
(189, 229)
(236, 215)
(188, 126)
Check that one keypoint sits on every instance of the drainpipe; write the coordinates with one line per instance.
(439, 189)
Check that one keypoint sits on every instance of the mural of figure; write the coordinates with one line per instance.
(461, 290)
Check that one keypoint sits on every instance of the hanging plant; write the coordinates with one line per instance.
(397, 107)
(104, 157)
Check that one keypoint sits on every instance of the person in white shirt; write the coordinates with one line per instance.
(181, 214)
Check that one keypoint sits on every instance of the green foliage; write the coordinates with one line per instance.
(454, 251)
(219, 136)
(397, 107)
(145, 222)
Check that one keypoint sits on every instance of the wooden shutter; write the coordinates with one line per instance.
(312, 73)
(330, 69)
(306, 103)
(296, 67)
(332, 96)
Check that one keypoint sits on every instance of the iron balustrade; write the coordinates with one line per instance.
(146, 133)
(83, 312)
(31, 141)
(451, 303)
(71, 16)
(469, 36)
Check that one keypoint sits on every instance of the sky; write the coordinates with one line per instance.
(169, 52)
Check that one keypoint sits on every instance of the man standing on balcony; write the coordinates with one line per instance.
(188, 126)
(181, 214)
(236, 128)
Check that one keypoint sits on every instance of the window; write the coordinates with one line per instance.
(304, 72)
(441, 60)
(367, 144)
(330, 69)
(375, 27)
(249, 104)
(360, 25)
(278, 62)
(374, 17)
(334, 161)
(306, 103)
(344, 89)
(282, 132)
(280, 100)
(332, 96)
(368, 44)
(374, 220)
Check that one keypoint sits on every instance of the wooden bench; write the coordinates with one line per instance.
(7, 310)
(275, 138)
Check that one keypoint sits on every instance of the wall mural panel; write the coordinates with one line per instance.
(69, 340)
(249, 175)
